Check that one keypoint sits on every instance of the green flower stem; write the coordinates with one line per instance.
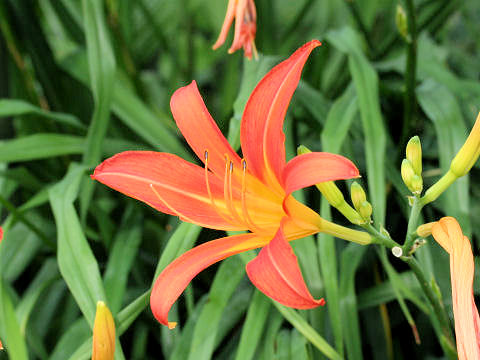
(342, 232)
(380, 238)
(411, 71)
(412, 225)
(438, 308)
(439, 187)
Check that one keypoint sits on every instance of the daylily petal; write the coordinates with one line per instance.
(181, 185)
(226, 24)
(262, 137)
(175, 277)
(276, 273)
(316, 167)
(449, 235)
(200, 130)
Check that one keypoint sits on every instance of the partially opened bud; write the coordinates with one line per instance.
(468, 154)
(414, 154)
(103, 334)
(358, 195)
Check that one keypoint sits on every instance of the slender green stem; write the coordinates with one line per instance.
(412, 224)
(411, 71)
(342, 232)
(438, 309)
(380, 238)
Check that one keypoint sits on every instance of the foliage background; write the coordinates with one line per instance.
(83, 80)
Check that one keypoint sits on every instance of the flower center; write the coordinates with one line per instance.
(232, 214)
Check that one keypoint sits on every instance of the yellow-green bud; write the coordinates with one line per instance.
(416, 184)
(414, 154)
(468, 154)
(365, 210)
(103, 347)
(407, 173)
(303, 150)
(331, 192)
(401, 22)
(358, 195)
(425, 230)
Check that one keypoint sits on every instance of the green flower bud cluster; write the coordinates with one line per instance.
(360, 203)
(411, 169)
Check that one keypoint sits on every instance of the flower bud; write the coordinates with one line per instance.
(425, 230)
(468, 154)
(103, 334)
(401, 22)
(407, 173)
(416, 185)
(358, 195)
(365, 210)
(414, 154)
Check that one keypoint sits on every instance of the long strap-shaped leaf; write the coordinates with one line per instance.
(101, 61)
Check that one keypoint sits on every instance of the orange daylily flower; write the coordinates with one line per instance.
(245, 15)
(230, 193)
(449, 235)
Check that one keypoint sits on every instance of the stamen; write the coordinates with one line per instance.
(171, 208)
(230, 191)
(212, 200)
(248, 220)
(226, 188)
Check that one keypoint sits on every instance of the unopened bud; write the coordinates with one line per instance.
(467, 156)
(416, 185)
(425, 230)
(103, 334)
(401, 22)
(365, 210)
(331, 192)
(358, 195)
(414, 154)
(407, 173)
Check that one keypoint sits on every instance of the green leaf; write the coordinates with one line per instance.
(226, 280)
(365, 79)
(15, 107)
(101, 61)
(10, 332)
(75, 258)
(122, 256)
(253, 326)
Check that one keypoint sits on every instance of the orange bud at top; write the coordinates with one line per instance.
(103, 334)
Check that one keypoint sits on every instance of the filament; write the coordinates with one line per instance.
(212, 200)
(248, 220)
(227, 182)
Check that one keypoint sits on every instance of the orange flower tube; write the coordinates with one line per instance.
(230, 193)
(448, 234)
